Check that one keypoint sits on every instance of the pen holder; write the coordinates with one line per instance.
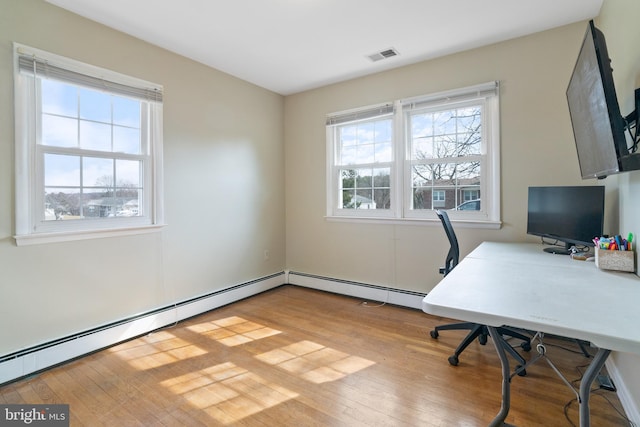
(615, 260)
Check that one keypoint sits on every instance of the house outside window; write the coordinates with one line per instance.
(88, 150)
(468, 195)
(439, 198)
(403, 159)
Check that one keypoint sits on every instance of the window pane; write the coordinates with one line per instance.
(62, 204)
(95, 136)
(130, 205)
(128, 173)
(448, 133)
(421, 125)
(383, 152)
(444, 123)
(97, 172)
(366, 188)
(348, 136)
(366, 133)
(468, 173)
(348, 199)
(446, 185)
(348, 178)
(421, 175)
(365, 153)
(126, 140)
(367, 142)
(445, 146)
(364, 199)
(469, 130)
(422, 148)
(383, 131)
(381, 177)
(126, 112)
(59, 98)
(98, 204)
(59, 131)
(382, 198)
(422, 198)
(348, 155)
(95, 105)
(61, 170)
(365, 178)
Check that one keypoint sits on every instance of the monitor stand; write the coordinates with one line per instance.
(557, 250)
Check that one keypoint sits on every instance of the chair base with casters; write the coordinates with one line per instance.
(481, 332)
(476, 330)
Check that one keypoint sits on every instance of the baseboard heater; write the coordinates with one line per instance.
(32, 360)
(367, 291)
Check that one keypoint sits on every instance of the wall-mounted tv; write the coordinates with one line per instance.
(598, 126)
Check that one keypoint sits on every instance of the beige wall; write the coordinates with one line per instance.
(225, 182)
(224, 190)
(618, 20)
(537, 149)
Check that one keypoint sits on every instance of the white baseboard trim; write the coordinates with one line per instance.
(32, 360)
(38, 358)
(628, 404)
(356, 289)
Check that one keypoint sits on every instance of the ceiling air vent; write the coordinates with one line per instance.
(387, 53)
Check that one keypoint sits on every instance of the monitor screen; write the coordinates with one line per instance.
(571, 215)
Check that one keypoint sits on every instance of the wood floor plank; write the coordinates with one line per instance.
(299, 357)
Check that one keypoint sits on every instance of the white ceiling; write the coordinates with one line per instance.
(289, 46)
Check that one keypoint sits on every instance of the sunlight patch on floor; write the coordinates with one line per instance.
(227, 392)
(233, 331)
(314, 362)
(160, 348)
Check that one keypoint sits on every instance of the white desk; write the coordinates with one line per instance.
(521, 286)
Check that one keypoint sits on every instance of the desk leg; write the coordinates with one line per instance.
(585, 385)
(499, 343)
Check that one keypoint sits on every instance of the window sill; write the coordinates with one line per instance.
(43, 238)
(459, 223)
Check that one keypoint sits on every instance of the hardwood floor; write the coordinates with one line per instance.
(298, 357)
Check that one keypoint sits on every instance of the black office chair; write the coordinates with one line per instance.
(475, 330)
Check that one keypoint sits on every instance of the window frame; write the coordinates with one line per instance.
(486, 94)
(31, 226)
(334, 198)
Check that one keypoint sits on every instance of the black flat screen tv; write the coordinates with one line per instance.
(598, 126)
(571, 215)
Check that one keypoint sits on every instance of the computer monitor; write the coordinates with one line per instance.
(571, 215)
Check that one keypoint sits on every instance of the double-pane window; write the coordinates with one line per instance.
(406, 158)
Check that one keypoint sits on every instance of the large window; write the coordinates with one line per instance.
(402, 160)
(88, 150)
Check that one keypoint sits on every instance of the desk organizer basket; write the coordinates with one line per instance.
(615, 260)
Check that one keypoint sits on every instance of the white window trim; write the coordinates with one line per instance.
(400, 212)
(333, 178)
(26, 170)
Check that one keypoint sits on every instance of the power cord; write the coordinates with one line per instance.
(366, 304)
(592, 392)
(382, 303)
